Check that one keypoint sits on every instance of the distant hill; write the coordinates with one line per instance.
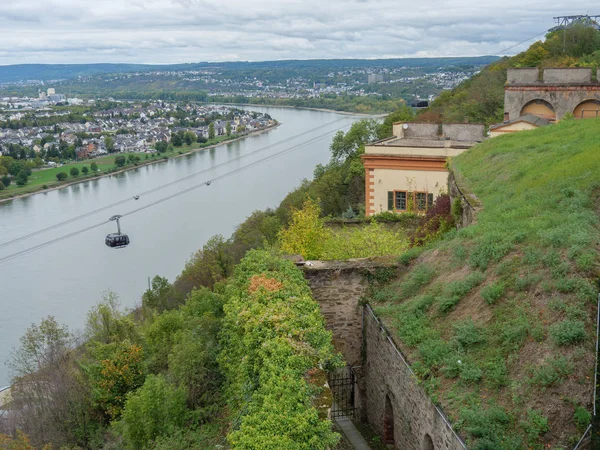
(45, 72)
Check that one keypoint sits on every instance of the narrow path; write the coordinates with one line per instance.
(351, 433)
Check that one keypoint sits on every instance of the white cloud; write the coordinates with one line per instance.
(174, 31)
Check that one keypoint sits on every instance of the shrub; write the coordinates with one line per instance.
(436, 221)
(568, 332)
(410, 255)
(85, 170)
(470, 373)
(120, 161)
(582, 418)
(553, 370)
(467, 334)
(306, 234)
(154, 409)
(419, 277)
(60, 176)
(535, 425)
(5, 180)
(493, 292)
(94, 167)
(74, 171)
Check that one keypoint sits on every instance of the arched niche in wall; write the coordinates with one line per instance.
(427, 443)
(540, 108)
(388, 423)
(587, 109)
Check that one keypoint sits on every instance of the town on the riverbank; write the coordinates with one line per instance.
(49, 140)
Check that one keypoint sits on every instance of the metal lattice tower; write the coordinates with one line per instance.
(566, 21)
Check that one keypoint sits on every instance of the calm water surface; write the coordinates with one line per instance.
(67, 278)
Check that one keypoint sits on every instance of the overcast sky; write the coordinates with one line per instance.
(177, 31)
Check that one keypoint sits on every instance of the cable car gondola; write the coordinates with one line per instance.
(117, 240)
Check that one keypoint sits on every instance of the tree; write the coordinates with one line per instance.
(120, 161)
(177, 140)
(5, 180)
(74, 171)
(94, 167)
(360, 133)
(85, 170)
(306, 234)
(21, 179)
(110, 144)
(60, 176)
(228, 128)
(189, 137)
(211, 131)
(155, 409)
(161, 146)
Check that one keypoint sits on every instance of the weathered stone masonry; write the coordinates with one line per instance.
(417, 422)
(387, 394)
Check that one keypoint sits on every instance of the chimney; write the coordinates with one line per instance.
(506, 117)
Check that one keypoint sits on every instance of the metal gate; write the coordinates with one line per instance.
(341, 383)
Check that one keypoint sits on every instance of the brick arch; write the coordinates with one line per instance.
(540, 108)
(427, 443)
(587, 109)
(388, 423)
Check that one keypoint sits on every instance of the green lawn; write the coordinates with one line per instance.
(499, 318)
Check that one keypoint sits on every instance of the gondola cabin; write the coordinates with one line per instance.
(118, 239)
(115, 240)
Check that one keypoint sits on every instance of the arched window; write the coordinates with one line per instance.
(587, 109)
(427, 443)
(540, 108)
(388, 423)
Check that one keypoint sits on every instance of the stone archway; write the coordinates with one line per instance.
(540, 108)
(427, 443)
(587, 109)
(388, 424)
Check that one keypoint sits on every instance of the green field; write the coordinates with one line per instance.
(499, 318)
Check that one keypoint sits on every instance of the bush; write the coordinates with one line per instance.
(467, 334)
(535, 425)
(85, 170)
(568, 332)
(436, 221)
(21, 179)
(74, 171)
(582, 418)
(155, 409)
(5, 180)
(94, 167)
(553, 370)
(120, 161)
(60, 176)
(493, 292)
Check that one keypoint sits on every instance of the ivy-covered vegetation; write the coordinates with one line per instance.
(499, 318)
(480, 99)
(232, 365)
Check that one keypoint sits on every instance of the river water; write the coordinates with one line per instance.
(68, 277)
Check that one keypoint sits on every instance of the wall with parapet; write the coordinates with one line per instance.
(470, 205)
(387, 375)
(563, 89)
(381, 371)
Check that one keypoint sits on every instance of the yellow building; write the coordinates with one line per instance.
(523, 123)
(408, 170)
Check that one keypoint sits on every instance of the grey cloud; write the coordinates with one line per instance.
(167, 31)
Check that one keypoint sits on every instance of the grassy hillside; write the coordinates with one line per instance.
(499, 318)
(481, 98)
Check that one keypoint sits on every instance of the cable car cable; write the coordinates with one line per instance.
(163, 186)
(176, 194)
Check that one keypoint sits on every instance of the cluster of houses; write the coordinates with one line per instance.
(132, 128)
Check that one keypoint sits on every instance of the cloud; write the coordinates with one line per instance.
(175, 31)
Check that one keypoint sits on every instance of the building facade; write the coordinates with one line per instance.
(407, 172)
(558, 92)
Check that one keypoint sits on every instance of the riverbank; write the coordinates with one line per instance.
(306, 108)
(62, 184)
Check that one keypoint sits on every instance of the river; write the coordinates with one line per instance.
(68, 277)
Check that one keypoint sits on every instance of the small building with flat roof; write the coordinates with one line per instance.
(407, 172)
